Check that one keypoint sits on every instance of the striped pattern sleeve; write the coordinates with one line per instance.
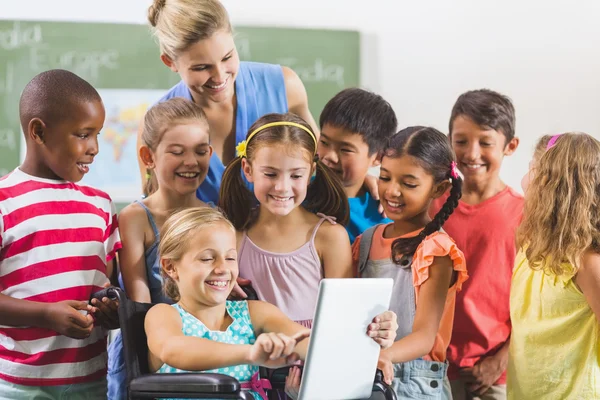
(56, 238)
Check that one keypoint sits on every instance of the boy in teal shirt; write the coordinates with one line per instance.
(355, 126)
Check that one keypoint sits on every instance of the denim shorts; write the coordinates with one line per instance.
(420, 379)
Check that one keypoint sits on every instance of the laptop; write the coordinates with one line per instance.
(341, 359)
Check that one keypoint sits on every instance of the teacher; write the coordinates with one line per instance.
(196, 41)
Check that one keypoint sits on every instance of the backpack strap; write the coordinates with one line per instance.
(365, 247)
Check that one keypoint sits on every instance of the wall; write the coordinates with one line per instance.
(421, 55)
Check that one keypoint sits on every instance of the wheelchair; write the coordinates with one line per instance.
(143, 384)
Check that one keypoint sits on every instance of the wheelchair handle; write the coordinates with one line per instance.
(380, 386)
(106, 292)
(250, 292)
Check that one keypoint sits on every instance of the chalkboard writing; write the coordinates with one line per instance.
(126, 57)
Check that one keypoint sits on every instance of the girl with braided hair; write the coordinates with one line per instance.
(417, 166)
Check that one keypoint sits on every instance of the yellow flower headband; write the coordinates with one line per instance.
(241, 147)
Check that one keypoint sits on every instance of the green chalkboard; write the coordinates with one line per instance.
(125, 56)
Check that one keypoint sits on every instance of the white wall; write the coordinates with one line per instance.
(420, 55)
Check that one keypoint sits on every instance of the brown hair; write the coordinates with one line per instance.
(540, 147)
(178, 24)
(560, 219)
(161, 117)
(176, 234)
(487, 109)
(325, 192)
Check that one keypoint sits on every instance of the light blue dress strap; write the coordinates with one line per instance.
(150, 219)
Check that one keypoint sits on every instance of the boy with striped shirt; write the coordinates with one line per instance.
(57, 242)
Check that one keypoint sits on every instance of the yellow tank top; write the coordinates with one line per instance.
(554, 349)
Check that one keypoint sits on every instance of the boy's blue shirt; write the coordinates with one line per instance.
(364, 214)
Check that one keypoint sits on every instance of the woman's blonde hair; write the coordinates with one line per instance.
(178, 24)
(561, 219)
(163, 116)
(177, 233)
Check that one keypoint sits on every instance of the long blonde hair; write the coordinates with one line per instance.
(176, 234)
(163, 116)
(561, 219)
(178, 24)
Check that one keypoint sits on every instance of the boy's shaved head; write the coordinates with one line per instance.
(51, 95)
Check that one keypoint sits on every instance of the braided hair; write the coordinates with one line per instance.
(432, 149)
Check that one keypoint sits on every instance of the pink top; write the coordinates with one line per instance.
(290, 281)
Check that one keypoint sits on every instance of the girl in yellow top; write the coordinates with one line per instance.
(554, 302)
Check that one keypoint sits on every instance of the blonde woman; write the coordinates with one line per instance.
(554, 302)
(196, 41)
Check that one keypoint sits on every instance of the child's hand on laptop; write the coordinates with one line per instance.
(292, 383)
(383, 329)
(275, 350)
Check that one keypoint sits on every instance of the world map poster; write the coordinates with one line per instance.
(115, 169)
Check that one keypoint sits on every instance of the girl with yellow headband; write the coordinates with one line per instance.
(290, 231)
(290, 227)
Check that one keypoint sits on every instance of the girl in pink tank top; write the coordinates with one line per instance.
(290, 240)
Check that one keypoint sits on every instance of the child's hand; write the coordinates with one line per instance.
(275, 350)
(383, 329)
(292, 383)
(105, 312)
(238, 292)
(385, 365)
(370, 185)
(65, 318)
(483, 375)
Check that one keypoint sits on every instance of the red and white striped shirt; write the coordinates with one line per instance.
(55, 240)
